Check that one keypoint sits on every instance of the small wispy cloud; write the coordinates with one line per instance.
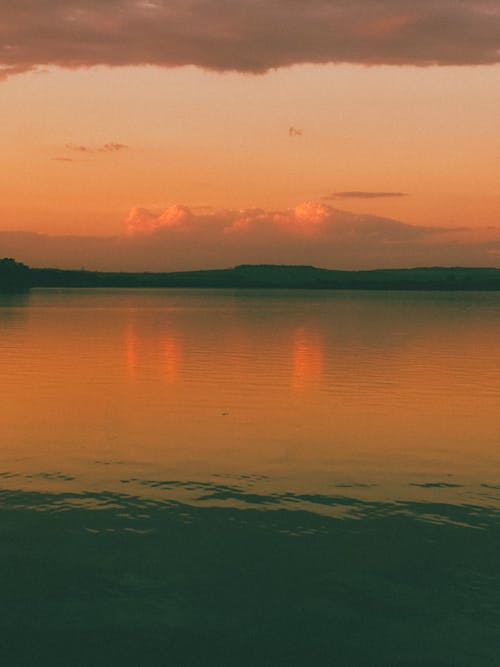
(60, 158)
(364, 194)
(111, 147)
(78, 149)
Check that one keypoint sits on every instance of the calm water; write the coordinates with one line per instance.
(195, 477)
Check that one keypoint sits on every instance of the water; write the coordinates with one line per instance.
(198, 477)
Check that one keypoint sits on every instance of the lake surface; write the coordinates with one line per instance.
(220, 477)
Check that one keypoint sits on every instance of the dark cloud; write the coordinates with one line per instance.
(246, 35)
(362, 194)
(313, 233)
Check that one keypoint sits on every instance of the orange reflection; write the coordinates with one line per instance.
(130, 349)
(172, 357)
(160, 352)
(307, 358)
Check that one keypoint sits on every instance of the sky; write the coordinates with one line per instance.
(180, 134)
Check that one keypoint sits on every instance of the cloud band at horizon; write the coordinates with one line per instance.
(246, 35)
(311, 233)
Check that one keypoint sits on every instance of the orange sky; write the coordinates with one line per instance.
(81, 147)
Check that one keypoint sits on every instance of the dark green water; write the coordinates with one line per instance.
(221, 478)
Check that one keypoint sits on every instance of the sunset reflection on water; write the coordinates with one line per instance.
(307, 359)
(349, 382)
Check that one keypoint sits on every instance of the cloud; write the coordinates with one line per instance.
(308, 223)
(181, 238)
(111, 147)
(362, 194)
(78, 149)
(306, 220)
(295, 131)
(246, 35)
(141, 221)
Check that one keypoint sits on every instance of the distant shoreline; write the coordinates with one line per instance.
(16, 276)
(281, 276)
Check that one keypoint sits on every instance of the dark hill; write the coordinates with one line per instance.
(289, 277)
(13, 275)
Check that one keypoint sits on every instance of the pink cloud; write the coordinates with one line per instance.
(141, 221)
(245, 35)
(309, 223)
(307, 219)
